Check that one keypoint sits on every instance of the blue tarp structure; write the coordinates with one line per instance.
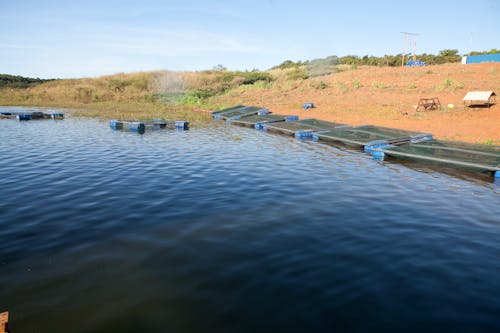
(412, 63)
(476, 59)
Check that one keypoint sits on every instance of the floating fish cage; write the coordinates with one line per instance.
(35, 115)
(156, 124)
(134, 126)
(257, 121)
(238, 112)
(301, 128)
(375, 140)
(236, 107)
(369, 136)
(463, 155)
(141, 126)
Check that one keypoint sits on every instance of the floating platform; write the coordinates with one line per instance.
(35, 115)
(301, 128)
(459, 154)
(232, 108)
(166, 124)
(369, 136)
(154, 124)
(237, 112)
(258, 122)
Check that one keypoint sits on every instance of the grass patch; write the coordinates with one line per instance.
(356, 84)
(490, 142)
(379, 85)
(450, 85)
(319, 85)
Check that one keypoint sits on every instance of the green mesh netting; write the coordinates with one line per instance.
(236, 107)
(457, 153)
(247, 111)
(254, 119)
(363, 135)
(291, 127)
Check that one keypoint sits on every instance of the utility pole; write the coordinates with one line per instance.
(406, 34)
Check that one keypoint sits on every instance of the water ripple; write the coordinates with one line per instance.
(243, 230)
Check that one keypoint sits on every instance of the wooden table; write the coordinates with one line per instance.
(427, 104)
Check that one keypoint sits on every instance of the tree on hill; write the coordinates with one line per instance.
(12, 81)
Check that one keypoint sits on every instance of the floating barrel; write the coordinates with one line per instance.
(260, 126)
(304, 134)
(159, 124)
(137, 126)
(379, 144)
(115, 124)
(378, 155)
(23, 116)
(184, 125)
(308, 106)
(57, 115)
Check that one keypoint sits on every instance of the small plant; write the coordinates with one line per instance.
(379, 85)
(319, 85)
(412, 86)
(356, 84)
(489, 142)
(429, 72)
(450, 85)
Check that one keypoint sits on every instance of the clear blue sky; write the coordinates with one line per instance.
(89, 38)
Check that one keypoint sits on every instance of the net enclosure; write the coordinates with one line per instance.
(149, 124)
(258, 122)
(232, 108)
(238, 112)
(459, 154)
(301, 128)
(369, 135)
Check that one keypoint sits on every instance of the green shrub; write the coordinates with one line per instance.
(297, 74)
(319, 85)
(356, 84)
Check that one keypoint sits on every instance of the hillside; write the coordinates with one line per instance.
(352, 95)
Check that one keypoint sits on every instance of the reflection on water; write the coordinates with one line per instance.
(230, 229)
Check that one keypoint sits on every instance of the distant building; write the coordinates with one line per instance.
(476, 59)
(413, 63)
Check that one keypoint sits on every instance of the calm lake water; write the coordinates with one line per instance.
(228, 229)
